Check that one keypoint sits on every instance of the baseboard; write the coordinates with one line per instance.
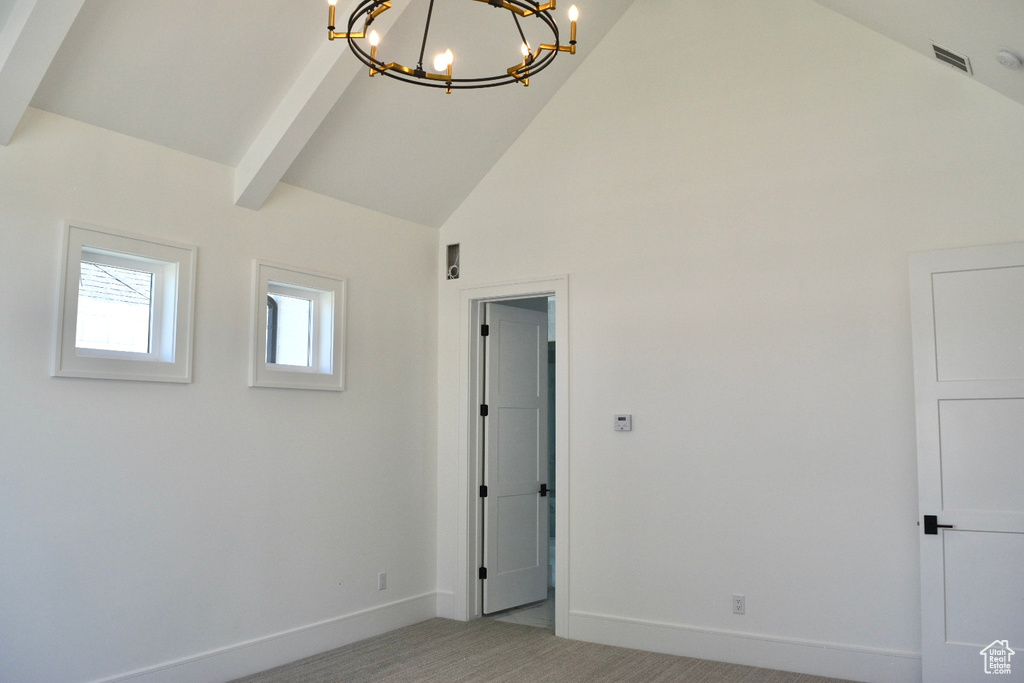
(446, 605)
(260, 654)
(871, 665)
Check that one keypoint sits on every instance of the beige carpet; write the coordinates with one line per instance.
(485, 650)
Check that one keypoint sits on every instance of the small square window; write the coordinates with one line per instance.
(298, 333)
(126, 307)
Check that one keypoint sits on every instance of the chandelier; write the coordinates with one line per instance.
(534, 60)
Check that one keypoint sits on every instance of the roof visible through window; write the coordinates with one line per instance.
(111, 283)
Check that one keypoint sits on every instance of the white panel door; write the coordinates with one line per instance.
(967, 308)
(515, 457)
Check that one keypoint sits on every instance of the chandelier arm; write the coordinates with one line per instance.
(395, 66)
(522, 11)
(351, 35)
(383, 7)
(426, 30)
(531, 65)
(372, 9)
(519, 27)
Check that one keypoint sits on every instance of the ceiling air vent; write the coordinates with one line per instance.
(953, 59)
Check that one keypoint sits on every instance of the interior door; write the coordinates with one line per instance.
(968, 323)
(515, 457)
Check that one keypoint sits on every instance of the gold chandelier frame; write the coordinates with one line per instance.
(534, 61)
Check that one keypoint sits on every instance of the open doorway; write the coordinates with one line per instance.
(553, 293)
(519, 387)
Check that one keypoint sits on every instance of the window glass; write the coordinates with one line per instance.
(114, 308)
(291, 327)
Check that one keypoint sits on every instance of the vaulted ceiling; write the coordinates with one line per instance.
(256, 85)
(977, 29)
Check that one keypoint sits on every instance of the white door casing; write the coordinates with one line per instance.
(967, 308)
(515, 457)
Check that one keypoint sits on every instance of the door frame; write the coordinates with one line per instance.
(470, 523)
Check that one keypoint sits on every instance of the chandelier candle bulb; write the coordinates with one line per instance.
(574, 14)
(443, 60)
(374, 39)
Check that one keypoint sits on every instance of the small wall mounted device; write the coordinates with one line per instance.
(623, 423)
(452, 266)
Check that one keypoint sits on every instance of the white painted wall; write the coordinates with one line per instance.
(735, 222)
(144, 524)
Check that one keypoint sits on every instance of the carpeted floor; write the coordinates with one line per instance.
(485, 650)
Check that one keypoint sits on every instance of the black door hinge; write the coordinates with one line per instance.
(544, 490)
(483, 410)
(485, 330)
(483, 491)
(483, 573)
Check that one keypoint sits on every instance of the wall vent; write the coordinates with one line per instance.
(954, 59)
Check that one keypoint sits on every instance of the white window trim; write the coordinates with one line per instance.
(175, 265)
(328, 293)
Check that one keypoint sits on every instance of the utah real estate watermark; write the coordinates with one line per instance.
(997, 657)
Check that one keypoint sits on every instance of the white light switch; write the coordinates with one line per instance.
(623, 423)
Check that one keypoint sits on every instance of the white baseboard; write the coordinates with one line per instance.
(446, 605)
(871, 665)
(260, 654)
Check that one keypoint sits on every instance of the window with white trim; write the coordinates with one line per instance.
(298, 328)
(125, 308)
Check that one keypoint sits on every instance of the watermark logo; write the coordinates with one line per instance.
(997, 657)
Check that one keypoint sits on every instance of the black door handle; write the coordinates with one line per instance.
(932, 526)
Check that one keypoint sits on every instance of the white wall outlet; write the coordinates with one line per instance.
(739, 604)
(382, 581)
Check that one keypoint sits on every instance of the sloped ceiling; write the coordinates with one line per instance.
(254, 84)
(978, 29)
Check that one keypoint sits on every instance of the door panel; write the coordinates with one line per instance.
(980, 441)
(517, 435)
(518, 372)
(515, 457)
(979, 592)
(516, 550)
(967, 308)
(979, 322)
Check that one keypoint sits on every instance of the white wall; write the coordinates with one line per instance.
(146, 523)
(735, 219)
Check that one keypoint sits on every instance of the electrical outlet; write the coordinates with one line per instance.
(382, 581)
(739, 604)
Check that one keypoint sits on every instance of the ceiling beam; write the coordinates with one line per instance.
(321, 84)
(29, 40)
